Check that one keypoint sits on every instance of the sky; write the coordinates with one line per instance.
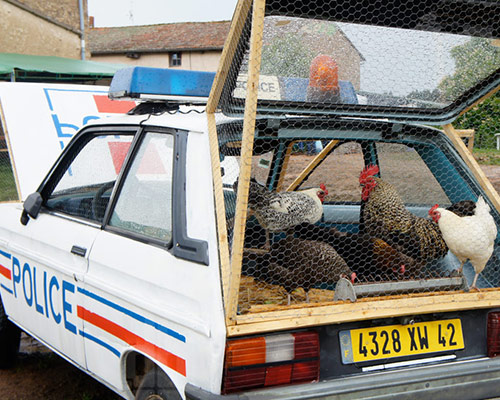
(147, 12)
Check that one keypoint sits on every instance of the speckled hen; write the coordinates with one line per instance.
(279, 211)
(294, 263)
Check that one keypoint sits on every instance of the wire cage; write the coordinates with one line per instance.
(328, 186)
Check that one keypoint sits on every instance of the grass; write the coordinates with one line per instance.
(487, 156)
(8, 189)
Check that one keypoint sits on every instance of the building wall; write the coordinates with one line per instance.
(331, 41)
(347, 58)
(24, 32)
(198, 61)
(63, 11)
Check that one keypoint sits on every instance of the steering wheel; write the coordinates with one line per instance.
(98, 206)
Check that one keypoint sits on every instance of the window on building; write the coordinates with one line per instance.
(175, 59)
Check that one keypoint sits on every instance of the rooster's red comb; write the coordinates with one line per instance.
(370, 170)
(322, 186)
(433, 208)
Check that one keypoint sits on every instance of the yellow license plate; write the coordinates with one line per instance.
(377, 343)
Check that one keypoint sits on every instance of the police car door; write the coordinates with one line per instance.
(49, 268)
(141, 289)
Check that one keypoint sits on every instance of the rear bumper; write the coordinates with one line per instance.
(471, 379)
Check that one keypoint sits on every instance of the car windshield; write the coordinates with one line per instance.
(306, 62)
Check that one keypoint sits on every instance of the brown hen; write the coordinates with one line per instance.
(294, 263)
(384, 216)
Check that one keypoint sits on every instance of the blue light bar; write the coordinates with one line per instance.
(161, 83)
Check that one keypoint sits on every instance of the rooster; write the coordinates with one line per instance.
(384, 216)
(469, 238)
(371, 258)
(294, 263)
(277, 212)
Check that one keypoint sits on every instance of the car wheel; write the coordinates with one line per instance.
(10, 337)
(157, 386)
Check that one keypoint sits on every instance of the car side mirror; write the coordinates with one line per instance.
(31, 207)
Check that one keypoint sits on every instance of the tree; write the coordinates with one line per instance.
(475, 61)
(286, 55)
(426, 95)
(485, 120)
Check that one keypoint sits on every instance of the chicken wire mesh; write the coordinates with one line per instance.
(341, 207)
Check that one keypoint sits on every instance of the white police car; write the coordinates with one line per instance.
(135, 258)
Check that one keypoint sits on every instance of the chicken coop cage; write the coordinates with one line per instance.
(334, 147)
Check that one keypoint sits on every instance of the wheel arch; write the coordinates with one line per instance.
(137, 365)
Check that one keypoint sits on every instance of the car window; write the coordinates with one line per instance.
(403, 167)
(339, 170)
(144, 204)
(85, 187)
(400, 164)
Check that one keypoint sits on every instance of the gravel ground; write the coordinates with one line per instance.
(42, 375)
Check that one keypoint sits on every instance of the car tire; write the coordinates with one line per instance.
(10, 337)
(156, 385)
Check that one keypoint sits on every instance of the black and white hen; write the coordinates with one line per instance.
(279, 211)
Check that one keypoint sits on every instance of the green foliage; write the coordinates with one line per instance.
(485, 120)
(487, 156)
(474, 61)
(8, 189)
(286, 56)
(427, 95)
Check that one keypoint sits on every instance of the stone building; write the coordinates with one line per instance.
(314, 38)
(186, 45)
(198, 45)
(41, 27)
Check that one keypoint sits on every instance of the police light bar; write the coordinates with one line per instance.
(161, 84)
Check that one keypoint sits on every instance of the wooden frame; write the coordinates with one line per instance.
(464, 152)
(231, 268)
(363, 309)
(313, 164)
(246, 157)
(301, 316)
(238, 21)
(467, 134)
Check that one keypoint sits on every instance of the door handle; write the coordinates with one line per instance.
(79, 251)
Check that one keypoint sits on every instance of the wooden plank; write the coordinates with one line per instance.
(313, 164)
(469, 135)
(473, 165)
(364, 309)
(237, 24)
(284, 167)
(246, 157)
(220, 208)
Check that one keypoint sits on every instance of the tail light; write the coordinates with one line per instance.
(493, 334)
(270, 361)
